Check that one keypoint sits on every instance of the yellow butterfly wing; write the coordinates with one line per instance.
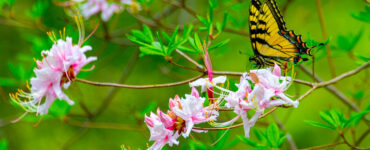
(271, 42)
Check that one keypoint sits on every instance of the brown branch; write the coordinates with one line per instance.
(324, 34)
(138, 86)
(101, 125)
(288, 136)
(333, 90)
(314, 87)
(303, 82)
(344, 75)
(106, 101)
(181, 66)
(362, 137)
(323, 146)
(285, 6)
(199, 66)
(107, 35)
(227, 73)
(182, 6)
(350, 145)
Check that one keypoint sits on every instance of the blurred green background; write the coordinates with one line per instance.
(23, 27)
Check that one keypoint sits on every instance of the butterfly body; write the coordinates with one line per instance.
(271, 41)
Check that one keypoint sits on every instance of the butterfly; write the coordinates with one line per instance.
(270, 39)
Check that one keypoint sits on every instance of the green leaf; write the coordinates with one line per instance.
(149, 108)
(348, 43)
(281, 141)
(213, 3)
(198, 43)
(232, 143)
(3, 144)
(161, 43)
(135, 40)
(321, 125)
(363, 16)
(18, 71)
(223, 137)
(273, 135)
(39, 8)
(185, 49)
(337, 117)
(232, 85)
(9, 2)
(8, 82)
(248, 141)
(148, 51)
(210, 13)
(203, 21)
(327, 118)
(195, 146)
(224, 22)
(362, 57)
(220, 44)
(141, 36)
(260, 135)
(165, 36)
(355, 118)
(218, 27)
(59, 108)
(187, 31)
(359, 94)
(148, 33)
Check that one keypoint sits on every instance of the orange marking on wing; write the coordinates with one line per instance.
(291, 33)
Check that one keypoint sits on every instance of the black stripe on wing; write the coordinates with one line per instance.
(276, 13)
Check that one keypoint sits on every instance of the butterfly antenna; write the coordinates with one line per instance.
(321, 44)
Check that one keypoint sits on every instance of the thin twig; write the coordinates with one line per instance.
(362, 137)
(323, 146)
(325, 35)
(181, 66)
(333, 90)
(106, 101)
(314, 87)
(227, 73)
(107, 35)
(101, 125)
(303, 82)
(285, 6)
(199, 66)
(350, 145)
(139, 86)
(344, 75)
(288, 136)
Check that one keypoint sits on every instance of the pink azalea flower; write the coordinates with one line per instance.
(205, 83)
(191, 110)
(268, 92)
(240, 102)
(106, 8)
(159, 131)
(275, 85)
(59, 66)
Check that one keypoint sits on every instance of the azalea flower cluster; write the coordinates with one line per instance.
(257, 90)
(268, 91)
(184, 113)
(59, 66)
(57, 69)
(106, 8)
